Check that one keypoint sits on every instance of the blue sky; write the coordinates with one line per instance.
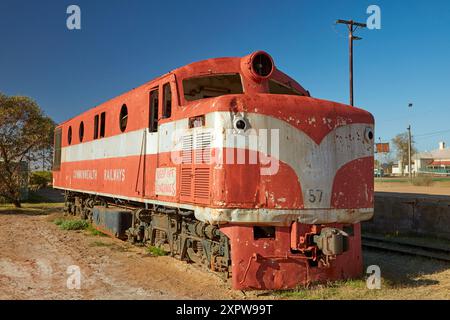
(123, 44)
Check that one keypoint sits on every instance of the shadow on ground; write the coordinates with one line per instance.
(404, 270)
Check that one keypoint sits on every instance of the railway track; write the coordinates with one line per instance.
(404, 247)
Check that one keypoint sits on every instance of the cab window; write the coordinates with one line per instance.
(153, 121)
(167, 101)
(212, 86)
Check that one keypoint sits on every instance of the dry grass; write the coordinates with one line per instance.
(422, 181)
(340, 290)
(32, 206)
(422, 185)
(403, 278)
(45, 208)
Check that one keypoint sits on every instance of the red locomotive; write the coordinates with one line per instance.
(229, 163)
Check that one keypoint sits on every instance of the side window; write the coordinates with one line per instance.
(57, 149)
(81, 131)
(102, 124)
(153, 124)
(167, 105)
(123, 118)
(96, 127)
(69, 135)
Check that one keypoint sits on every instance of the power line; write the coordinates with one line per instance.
(431, 133)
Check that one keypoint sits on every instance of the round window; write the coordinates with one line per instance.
(123, 118)
(81, 131)
(69, 135)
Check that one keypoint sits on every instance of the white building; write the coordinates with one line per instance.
(436, 161)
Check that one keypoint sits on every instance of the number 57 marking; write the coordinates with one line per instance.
(315, 195)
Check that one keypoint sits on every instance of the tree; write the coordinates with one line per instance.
(401, 145)
(24, 132)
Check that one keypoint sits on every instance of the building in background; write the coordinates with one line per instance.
(433, 162)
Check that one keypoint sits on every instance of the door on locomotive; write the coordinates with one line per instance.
(162, 101)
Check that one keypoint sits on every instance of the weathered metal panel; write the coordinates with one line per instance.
(268, 263)
(112, 221)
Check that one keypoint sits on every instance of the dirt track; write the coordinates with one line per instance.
(35, 254)
(435, 189)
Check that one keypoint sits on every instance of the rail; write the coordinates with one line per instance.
(398, 246)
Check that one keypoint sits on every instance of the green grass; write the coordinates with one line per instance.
(94, 232)
(59, 221)
(73, 224)
(76, 224)
(406, 179)
(156, 251)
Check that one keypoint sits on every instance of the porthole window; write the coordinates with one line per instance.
(69, 135)
(123, 118)
(81, 131)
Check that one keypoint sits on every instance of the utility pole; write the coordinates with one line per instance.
(409, 152)
(352, 26)
(410, 105)
(379, 159)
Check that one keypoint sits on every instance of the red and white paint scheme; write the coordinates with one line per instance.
(286, 177)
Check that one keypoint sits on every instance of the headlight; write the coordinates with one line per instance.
(240, 123)
(368, 134)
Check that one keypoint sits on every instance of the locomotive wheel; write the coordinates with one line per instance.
(195, 252)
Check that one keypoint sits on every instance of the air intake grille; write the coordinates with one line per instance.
(195, 167)
(186, 182)
(201, 183)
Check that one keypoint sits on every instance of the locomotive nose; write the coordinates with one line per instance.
(325, 148)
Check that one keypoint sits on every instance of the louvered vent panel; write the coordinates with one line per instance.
(203, 147)
(201, 183)
(186, 152)
(186, 182)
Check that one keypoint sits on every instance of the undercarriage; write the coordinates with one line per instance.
(175, 231)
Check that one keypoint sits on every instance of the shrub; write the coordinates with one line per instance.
(422, 181)
(74, 225)
(40, 179)
(156, 251)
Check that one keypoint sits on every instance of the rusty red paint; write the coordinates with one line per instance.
(261, 264)
(269, 264)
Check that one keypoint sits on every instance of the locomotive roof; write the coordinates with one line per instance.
(221, 65)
